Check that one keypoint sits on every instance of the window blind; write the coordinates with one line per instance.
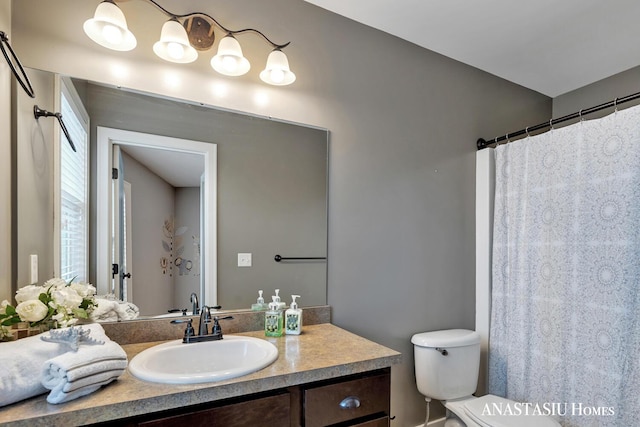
(74, 181)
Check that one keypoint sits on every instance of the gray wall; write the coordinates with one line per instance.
(5, 162)
(34, 203)
(152, 203)
(617, 86)
(403, 124)
(187, 215)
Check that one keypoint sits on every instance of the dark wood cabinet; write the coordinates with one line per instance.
(360, 400)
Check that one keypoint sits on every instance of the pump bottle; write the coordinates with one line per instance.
(293, 318)
(273, 320)
(259, 305)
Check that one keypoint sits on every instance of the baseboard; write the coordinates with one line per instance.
(435, 423)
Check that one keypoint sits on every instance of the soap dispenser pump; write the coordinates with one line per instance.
(273, 320)
(281, 304)
(293, 318)
(259, 305)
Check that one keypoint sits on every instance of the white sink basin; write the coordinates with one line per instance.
(178, 363)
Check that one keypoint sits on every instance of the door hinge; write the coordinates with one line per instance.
(114, 173)
(114, 270)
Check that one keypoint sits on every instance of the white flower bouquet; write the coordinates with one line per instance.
(57, 303)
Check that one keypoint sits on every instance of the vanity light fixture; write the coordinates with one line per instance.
(180, 41)
(229, 59)
(108, 28)
(174, 44)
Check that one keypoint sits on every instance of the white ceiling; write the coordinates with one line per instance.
(180, 169)
(550, 46)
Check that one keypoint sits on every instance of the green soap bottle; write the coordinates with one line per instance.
(273, 320)
(259, 305)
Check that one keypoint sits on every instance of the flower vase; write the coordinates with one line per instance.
(40, 328)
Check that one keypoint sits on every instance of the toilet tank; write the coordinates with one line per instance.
(447, 363)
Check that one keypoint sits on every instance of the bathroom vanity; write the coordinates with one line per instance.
(325, 376)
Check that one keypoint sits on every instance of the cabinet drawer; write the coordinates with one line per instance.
(378, 422)
(272, 411)
(348, 400)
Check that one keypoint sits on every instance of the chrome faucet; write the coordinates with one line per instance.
(194, 304)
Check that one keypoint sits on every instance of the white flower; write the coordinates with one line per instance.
(3, 307)
(83, 289)
(63, 320)
(32, 311)
(29, 292)
(66, 297)
(5, 333)
(55, 283)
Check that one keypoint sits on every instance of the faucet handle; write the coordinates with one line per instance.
(217, 330)
(189, 331)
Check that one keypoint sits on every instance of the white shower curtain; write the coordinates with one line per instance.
(565, 315)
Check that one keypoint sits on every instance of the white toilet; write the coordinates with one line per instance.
(447, 365)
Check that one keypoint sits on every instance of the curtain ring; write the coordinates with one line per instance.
(527, 131)
(551, 124)
(580, 115)
(615, 105)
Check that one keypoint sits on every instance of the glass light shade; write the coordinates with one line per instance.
(174, 44)
(277, 71)
(229, 59)
(108, 28)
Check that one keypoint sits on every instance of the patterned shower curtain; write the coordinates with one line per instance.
(565, 315)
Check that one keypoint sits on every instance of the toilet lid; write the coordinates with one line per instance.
(495, 411)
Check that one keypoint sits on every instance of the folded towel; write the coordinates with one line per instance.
(75, 374)
(22, 362)
(19, 360)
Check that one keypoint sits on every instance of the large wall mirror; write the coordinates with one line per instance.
(270, 198)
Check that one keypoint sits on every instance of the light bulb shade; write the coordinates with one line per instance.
(277, 71)
(108, 28)
(229, 59)
(174, 44)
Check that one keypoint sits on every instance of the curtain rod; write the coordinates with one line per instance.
(482, 143)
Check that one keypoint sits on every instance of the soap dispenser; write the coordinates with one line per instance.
(281, 304)
(293, 318)
(259, 305)
(273, 320)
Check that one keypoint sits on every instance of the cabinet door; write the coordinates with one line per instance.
(272, 411)
(348, 400)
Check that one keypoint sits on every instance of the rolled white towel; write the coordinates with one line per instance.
(110, 310)
(75, 374)
(133, 310)
(21, 362)
(105, 310)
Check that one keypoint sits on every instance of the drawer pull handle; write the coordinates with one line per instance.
(350, 402)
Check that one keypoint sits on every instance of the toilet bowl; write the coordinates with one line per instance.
(447, 366)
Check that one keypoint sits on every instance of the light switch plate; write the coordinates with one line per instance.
(244, 260)
(33, 269)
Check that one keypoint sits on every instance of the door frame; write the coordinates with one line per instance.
(106, 137)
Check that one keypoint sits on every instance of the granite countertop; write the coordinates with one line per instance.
(321, 352)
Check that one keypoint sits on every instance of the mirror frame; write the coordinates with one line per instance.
(106, 138)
